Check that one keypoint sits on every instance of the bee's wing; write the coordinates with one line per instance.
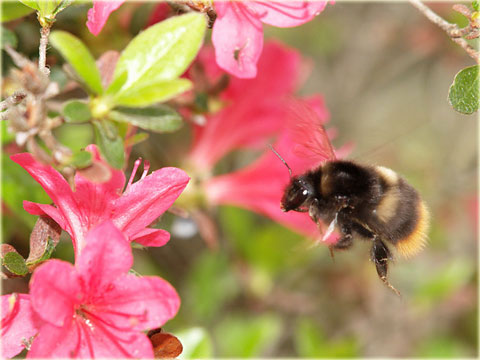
(308, 133)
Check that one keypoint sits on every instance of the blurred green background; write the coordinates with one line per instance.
(384, 71)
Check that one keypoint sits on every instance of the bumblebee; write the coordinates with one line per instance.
(359, 201)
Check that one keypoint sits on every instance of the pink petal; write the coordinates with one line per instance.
(17, 324)
(106, 256)
(147, 199)
(54, 291)
(96, 340)
(238, 39)
(286, 13)
(99, 13)
(58, 190)
(96, 199)
(151, 237)
(253, 115)
(43, 209)
(279, 68)
(112, 342)
(139, 303)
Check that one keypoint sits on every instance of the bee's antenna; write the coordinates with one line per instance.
(276, 153)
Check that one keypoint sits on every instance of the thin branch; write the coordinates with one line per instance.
(12, 100)
(42, 59)
(452, 30)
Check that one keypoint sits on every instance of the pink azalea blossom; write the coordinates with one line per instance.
(17, 326)
(238, 34)
(99, 13)
(96, 308)
(254, 106)
(91, 203)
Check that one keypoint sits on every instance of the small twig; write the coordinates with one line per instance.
(42, 59)
(14, 99)
(452, 30)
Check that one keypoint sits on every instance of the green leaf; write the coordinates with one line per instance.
(109, 143)
(311, 342)
(464, 92)
(476, 5)
(43, 239)
(136, 139)
(240, 336)
(6, 136)
(212, 275)
(81, 159)
(159, 54)
(159, 118)
(441, 346)
(47, 9)
(276, 249)
(157, 92)
(76, 111)
(8, 38)
(443, 282)
(12, 10)
(196, 342)
(79, 57)
(31, 3)
(15, 263)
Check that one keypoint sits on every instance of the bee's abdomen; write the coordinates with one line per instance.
(403, 214)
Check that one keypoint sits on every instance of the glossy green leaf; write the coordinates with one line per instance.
(154, 93)
(197, 343)
(47, 9)
(160, 53)
(79, 57)
(476, 5)
(76, 111)
(241, 336)
(464, 92)
(159, 118)
(8, 38)
(31, 4)
(81, 159)
(12, 10)
(109, 143)
(15, 263)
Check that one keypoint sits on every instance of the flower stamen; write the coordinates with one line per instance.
(146, 167)
(134, 172)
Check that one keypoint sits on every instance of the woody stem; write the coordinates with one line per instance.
(452, 30)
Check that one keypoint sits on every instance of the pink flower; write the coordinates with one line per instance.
(253, 108)
(260, 186)
(91, 203)
(96, 308)
(17, 324)
(99, 13)
(238, 35)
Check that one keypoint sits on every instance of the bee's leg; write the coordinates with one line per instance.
(380, 256)
(346, 241)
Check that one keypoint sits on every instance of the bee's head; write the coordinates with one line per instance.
(296, 194)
